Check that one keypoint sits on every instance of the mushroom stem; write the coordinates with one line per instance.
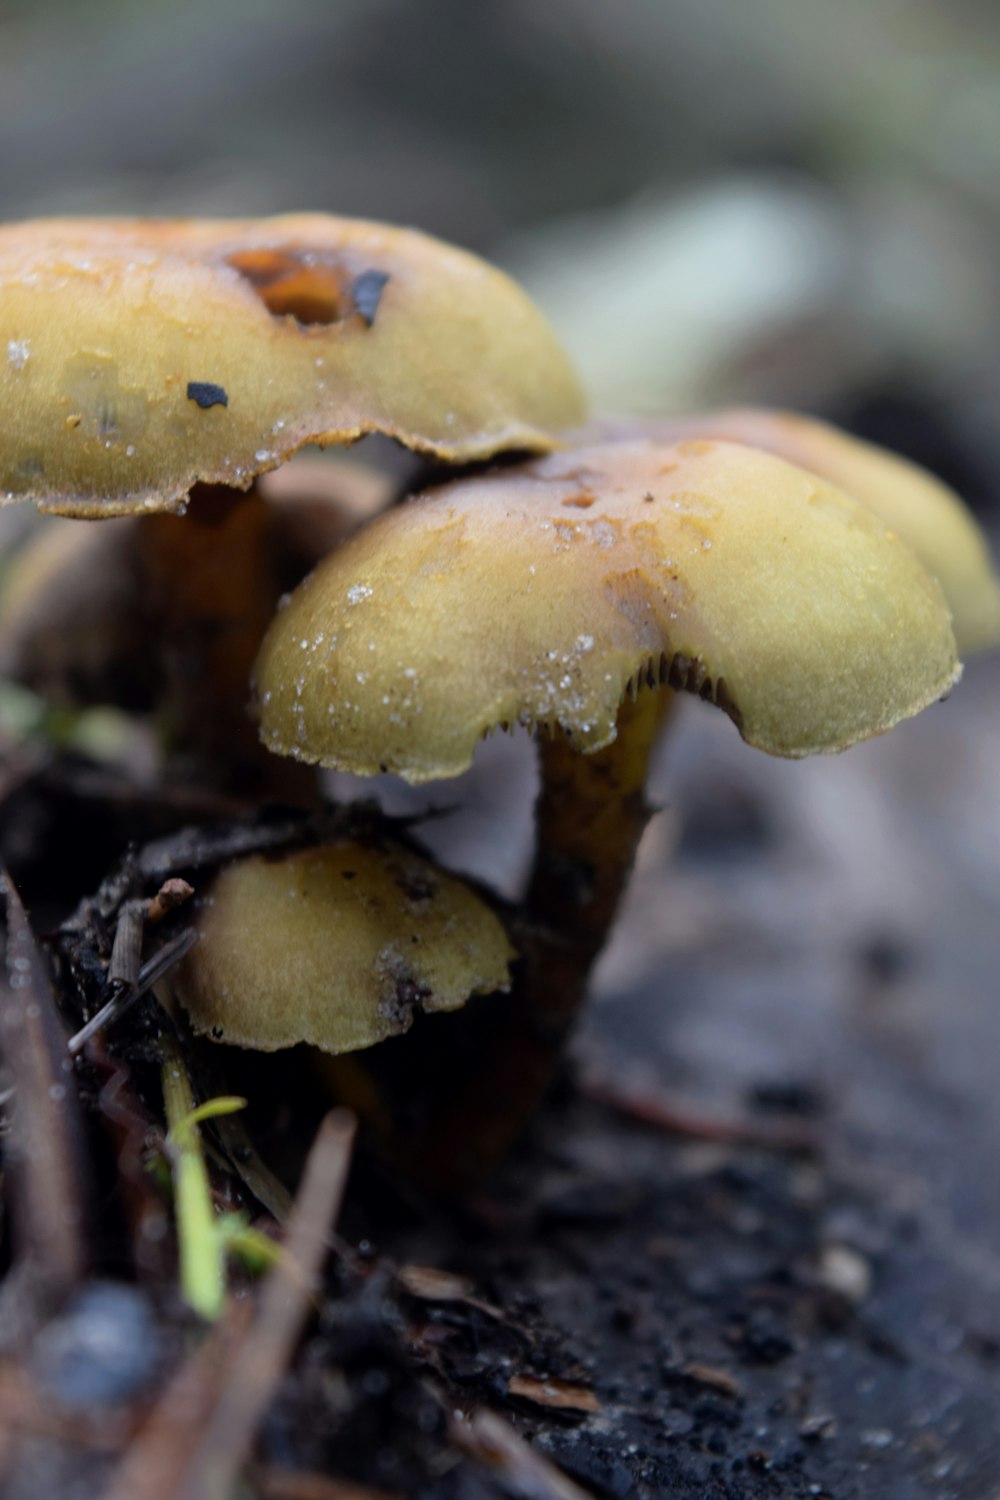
(213, 591)
(591, 813)
(484, 1077)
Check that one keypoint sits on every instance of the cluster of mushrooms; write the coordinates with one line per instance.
(571, 579)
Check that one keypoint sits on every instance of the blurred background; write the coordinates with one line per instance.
(783, 199)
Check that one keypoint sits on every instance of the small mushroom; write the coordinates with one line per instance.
(560, 595)
(337, 946)
(928, 515)
(143, 363)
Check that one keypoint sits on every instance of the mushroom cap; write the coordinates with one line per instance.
(337, 946)
(139, 357)
(542, 593)
(911, 501)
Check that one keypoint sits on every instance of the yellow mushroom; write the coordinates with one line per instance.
(138, 358)
(560, 594)
(920, 508)
(543, 594)
(337, 946)
(143, 362)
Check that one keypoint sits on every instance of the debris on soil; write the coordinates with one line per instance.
(758, 1295)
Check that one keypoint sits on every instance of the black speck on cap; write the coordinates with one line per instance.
(204, 394)
(367, 292)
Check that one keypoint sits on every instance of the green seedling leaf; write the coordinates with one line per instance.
(200, 1245)
(256, 1250)
(212, 1109)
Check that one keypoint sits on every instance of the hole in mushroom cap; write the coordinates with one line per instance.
(311, 289)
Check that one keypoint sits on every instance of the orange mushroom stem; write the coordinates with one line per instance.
(590, 815)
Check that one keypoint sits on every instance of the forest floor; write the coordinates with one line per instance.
(795, 1291)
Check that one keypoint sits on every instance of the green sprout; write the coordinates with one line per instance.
(205, 1236)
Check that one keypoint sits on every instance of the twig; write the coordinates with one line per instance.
(196, 848)
(661, 1113)
(151, 973)
(154, 1463)
(281, 1313)
(525, 1472)
(46, 1154)
(198, 1435)
(172, 893)
(126, 954)
(27, 1410)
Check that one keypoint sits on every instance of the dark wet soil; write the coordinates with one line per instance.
(806, 949)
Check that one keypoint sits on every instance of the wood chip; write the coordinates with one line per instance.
(432, 1285)
(561, 1395)
(172, 893)
(49, 1181)
(719, 1380)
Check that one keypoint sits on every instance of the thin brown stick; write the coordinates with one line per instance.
(133, 1129)
(46, 1157)
(675, 1117)
(199, 1435)
(155, 1462)
(281, 1313)
(493, 1442)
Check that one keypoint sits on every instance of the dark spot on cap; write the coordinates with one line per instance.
(367, 293)
(204, 394)
(348, 874)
